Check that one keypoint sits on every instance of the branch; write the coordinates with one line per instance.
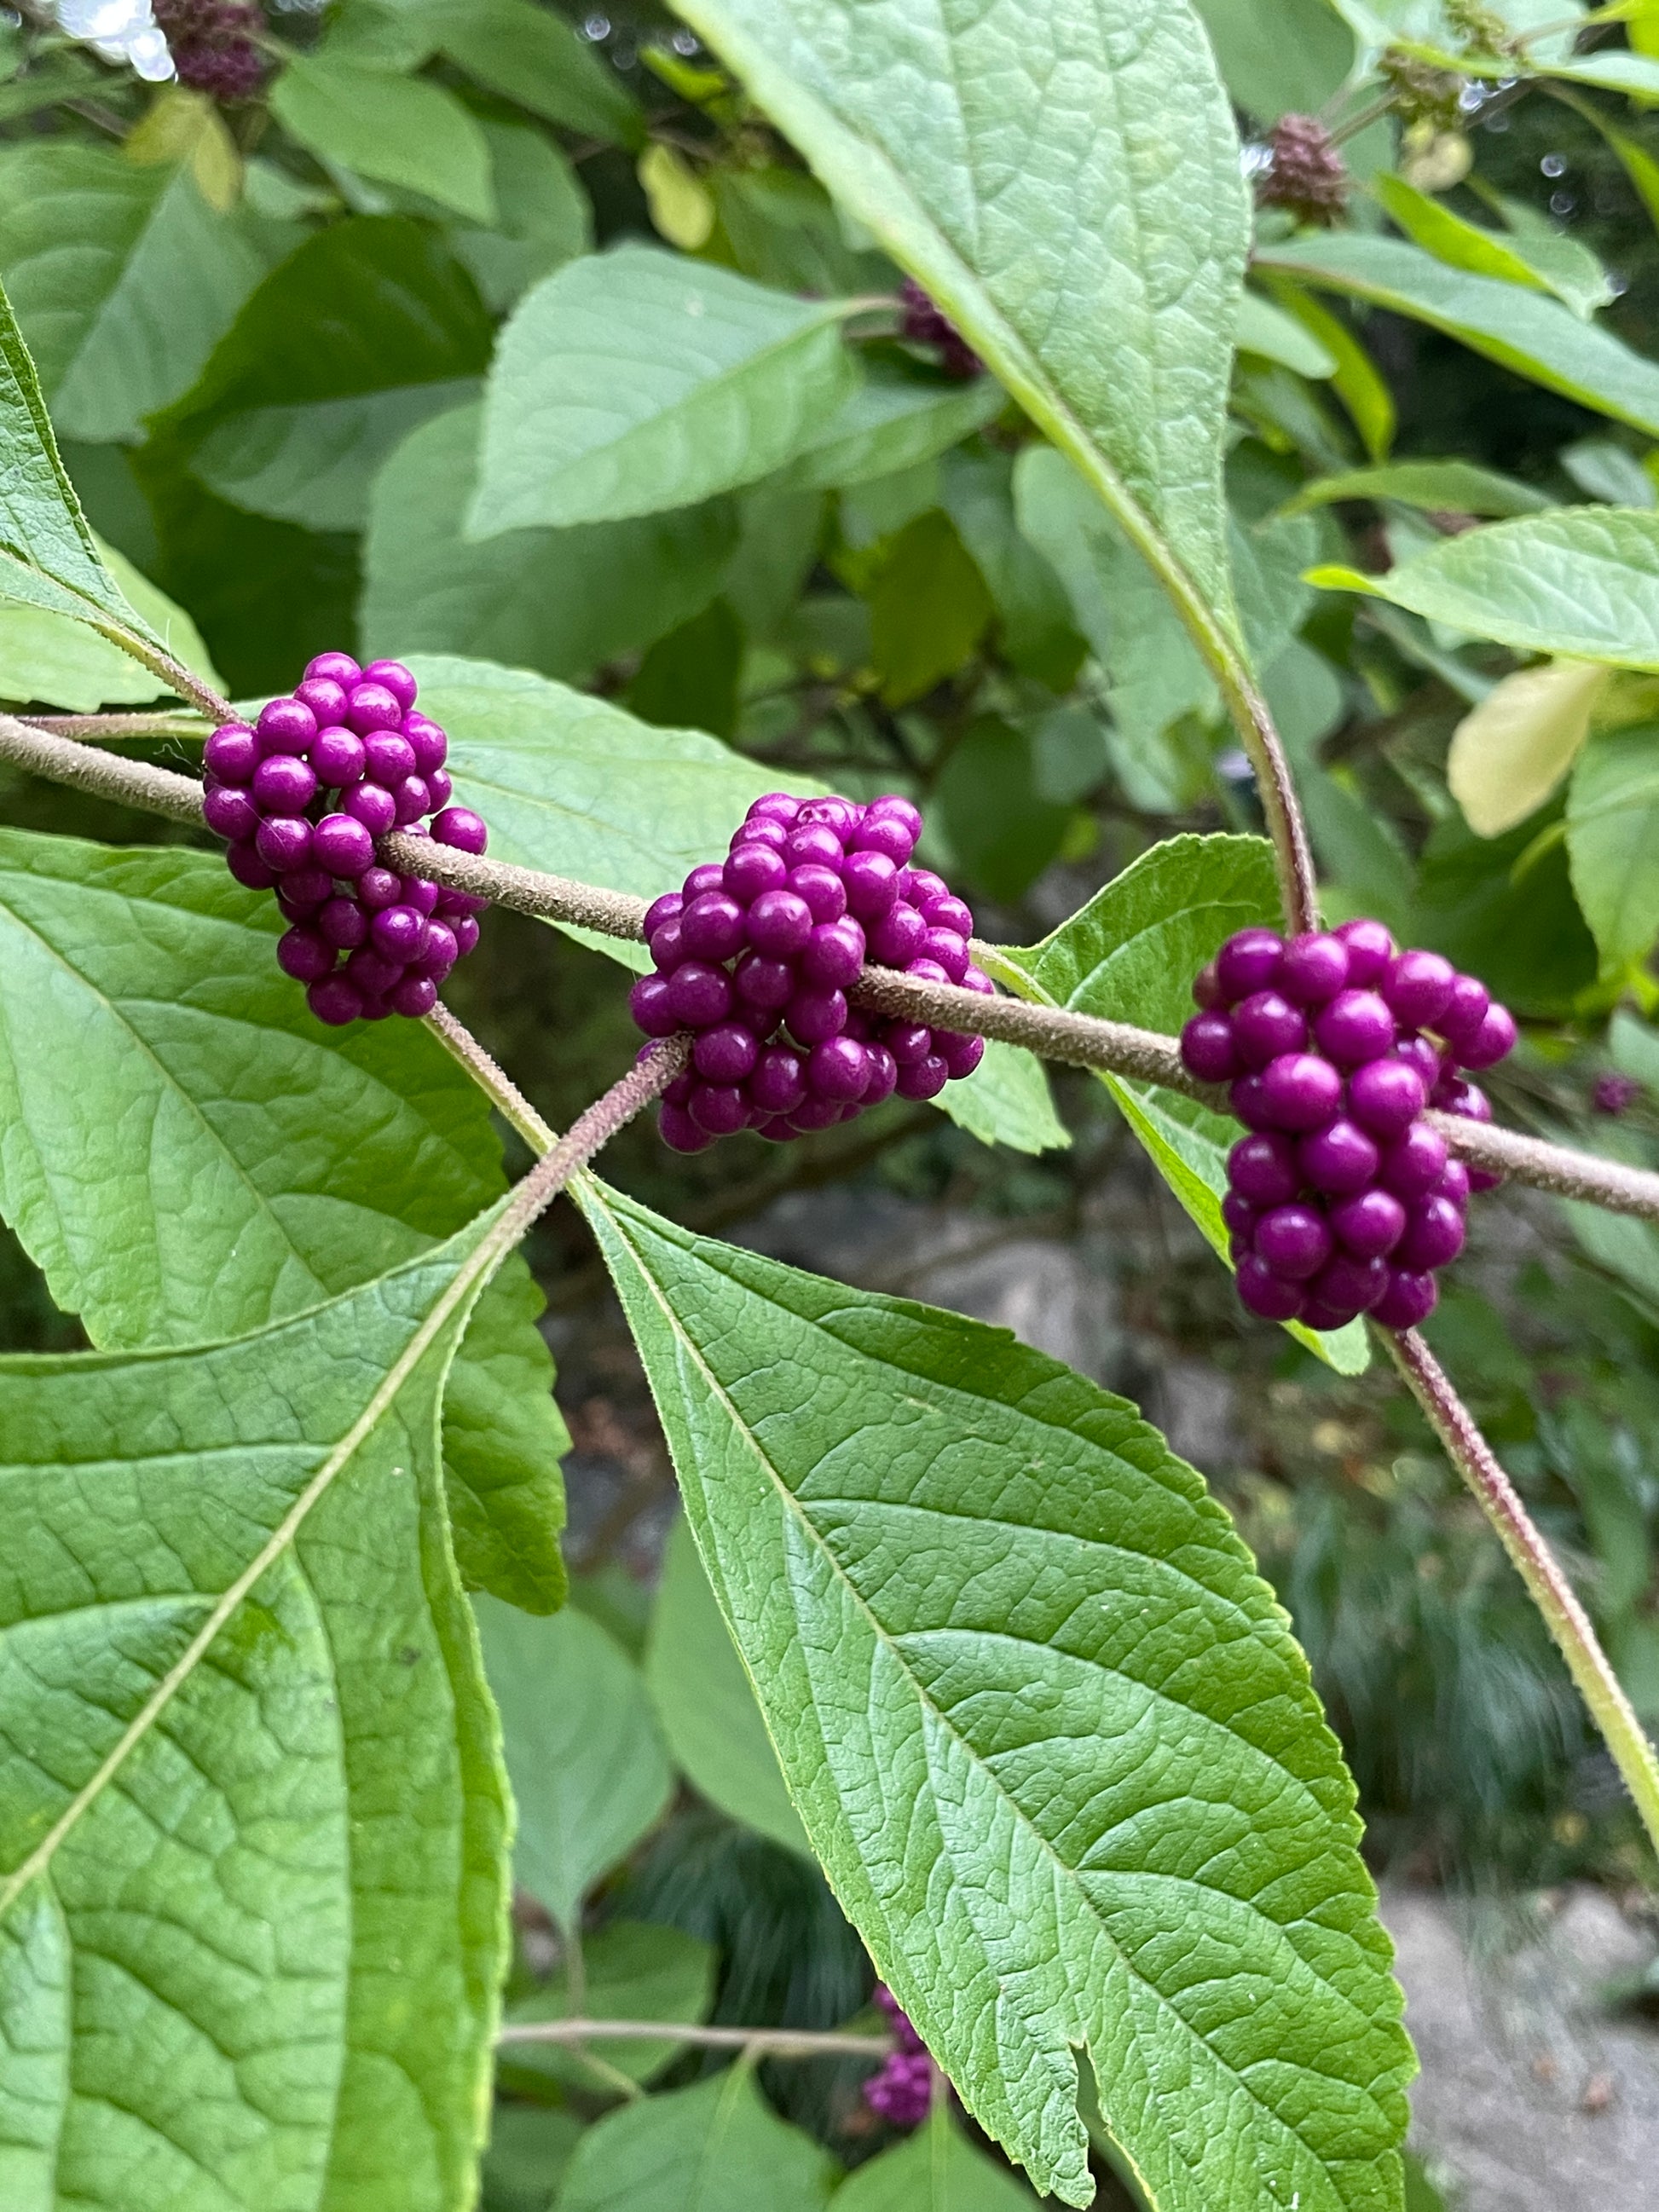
(158, 723)
(1539, 1568)
(765, 2042)
(1053, 1032)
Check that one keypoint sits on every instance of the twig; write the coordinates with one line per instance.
(647, 1079)
(92, 727)
(491, 1079)
(766, 2042)
(1550, 1591)
(1053, 1032)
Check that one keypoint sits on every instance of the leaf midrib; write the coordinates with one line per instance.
(1070, 1875)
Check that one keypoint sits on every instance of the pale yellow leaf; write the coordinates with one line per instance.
(681, 205)
(1513, 749)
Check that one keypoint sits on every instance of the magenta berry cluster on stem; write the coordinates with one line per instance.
(901, 2090)
(215, 45)
(755, 954)
(923, 324)
(1343, 1199)
(301, 795)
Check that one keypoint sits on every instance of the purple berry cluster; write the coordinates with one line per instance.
(755, 954)
(923, 324)
(902, 2091)
(1343, 1199)
(302, 794)
(214, 45)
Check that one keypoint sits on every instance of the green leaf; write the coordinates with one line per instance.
(1447, 487)
(1001, 829)
(1613, 842)
(253, 1818)
(530, 2146)
(694, 676)
(1357, 382)
(560, 601)
(1637, 76)
(398, 129)
(631, 1970)
(1582, 582)
(1536, 336)
(706, 1702)
(61, 661)
(889, 422)
(1007, 1100)
(123, 280)
(589, 1772)
(574, 787)
(938, 2170)
(1072, 1784)
(1511, 751)
(1035, 631)
(365, 331)
(1520, 930)
(1065, 181)
(928, 608)
(534, 57)
(636, 380)
(1130, 955)
(543, 215)
(1603, 470)
(1267, 329)
(1552, 263)
(716, 2148)
(188, 1152)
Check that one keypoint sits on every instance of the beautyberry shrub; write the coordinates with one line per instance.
(901, 2090)
(1343, 1199)
(303, 793)
(755, 954)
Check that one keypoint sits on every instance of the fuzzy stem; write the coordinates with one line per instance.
(767, 2042)
(1550, 1590)
(94, 727)
(647, 1079)
(491, 1079)
(1053, 1032)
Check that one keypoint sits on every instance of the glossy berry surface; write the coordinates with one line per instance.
(754, 955)
(1343, 1199)
(901, 2090)
(301, 794)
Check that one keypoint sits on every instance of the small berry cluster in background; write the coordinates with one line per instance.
(302, 794)
(214, 45)
(901, 2090)
(1343, 1199)
(923, 324)
(1306, 174)
(754, 955)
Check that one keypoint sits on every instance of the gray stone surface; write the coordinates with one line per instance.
(1535, 2096)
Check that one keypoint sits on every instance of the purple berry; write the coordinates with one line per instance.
(285, 726)
(753, 870)
(1370, 1223)
(1263, 1169)
(889, 805)
(284, 843)
(335, 1002)
(327, 699)
(466, 934)
(371, 805)
(461, 830)
(909, 1042)
(884, 1073)
(815, 1113)
(1414, 1163)
(1455, 1183)
(244, 864)
(415, 997)
(1206, 989)
(725, 1054)
(777, 1084)
(1299, 1091)
(1313, 969)
(230, 814)
(1208, 1050)
(949, 913)
(838, 1068)
(1465, 1010)
(388, 758)
(440, 788)
(439, 951)
(343, 846)
(1491, 1041)
(337, 755)
(1268, 1296)
(333, 668)
(1433, 1236)
(947, 950)
(303, 953)
(397, 930)
(1349, 1285)
(779, 923)
(774, 805)
(896, 940)
(961, 1055)
(372, 972)
(1264, 1025)
(1417, 1051)
(1417, 986)
(344, 923)
(308, 890)
(764, 831)
(822, 889)
(1249, 1103)
(284, 784)
(231, 755)
(1294, 1241)
(871, 882)
(412, 799)
(430, 742)
(1239, 1214)
(925, 1080)
(1369, 949)
(918, 885)
(371, 706)
(1357, 1026)
(394, 678)
(1338, 1158)
(1385, 1096)
(816, 1013)
(420, 894)
(668, 908)
(680, 1132)
(1408, 1300)
(763, 983)
(712, 927)
(1248, 962)
(719, 1108)
(700, 995)
(379, 887)
(814, 842)
(885, 836)
(834, 953)
(706, 876)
